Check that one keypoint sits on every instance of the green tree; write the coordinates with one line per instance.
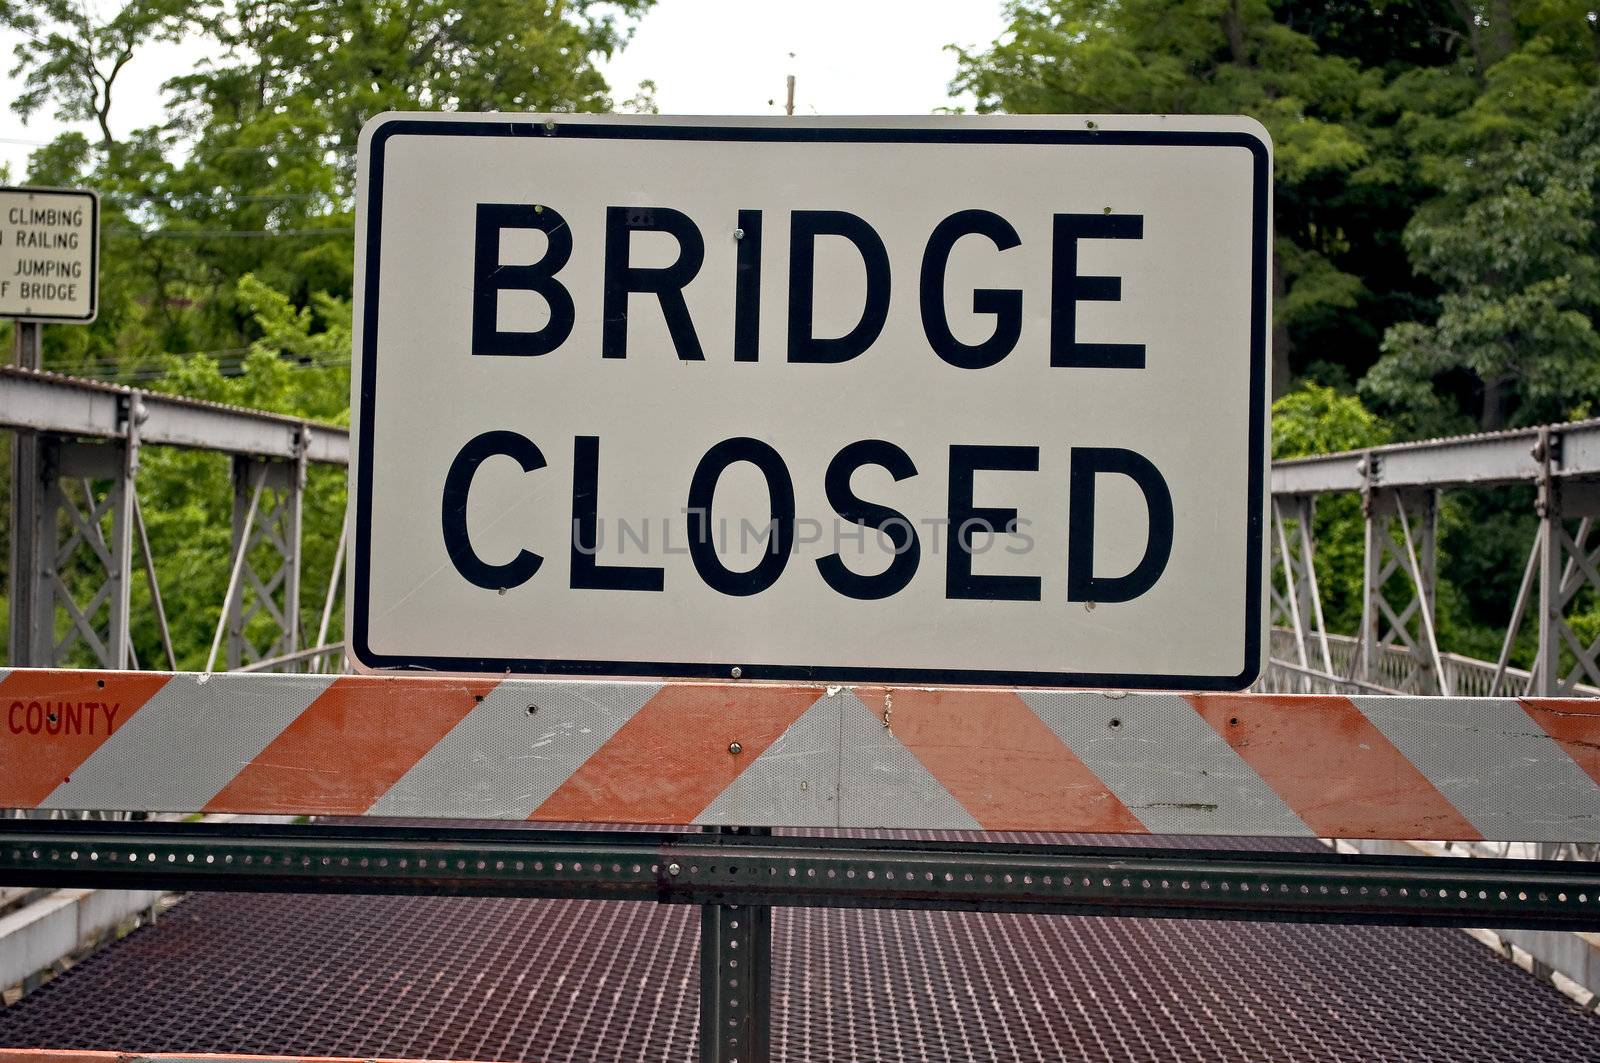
(227, 254)
(252, 172)
(1511, 242)
(328, 67)
(1435, 176)
(1504, 238)
(1341, 196)
(70, 60)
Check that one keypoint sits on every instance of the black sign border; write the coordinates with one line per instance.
(1261, 171)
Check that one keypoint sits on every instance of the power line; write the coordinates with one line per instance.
(145, 374)
(175, 199)
(249, 234)
(227, 359)
(252, 196)
(109, 365)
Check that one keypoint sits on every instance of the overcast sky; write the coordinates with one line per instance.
(705, 56)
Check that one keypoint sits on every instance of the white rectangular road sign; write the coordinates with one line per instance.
(942, 400)
(49, 254)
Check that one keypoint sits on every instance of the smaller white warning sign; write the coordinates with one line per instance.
(49, 254)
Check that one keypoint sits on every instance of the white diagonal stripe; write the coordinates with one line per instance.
(1165, 763)
(188, 741)
(1509, 778)
(883, 784)
(501, 761)
(794, 782)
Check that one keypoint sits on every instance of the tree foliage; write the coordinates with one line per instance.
(1510, 241)
(70, 60)
(1435, 175)
(227, 253)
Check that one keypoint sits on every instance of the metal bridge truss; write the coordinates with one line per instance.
(265, 577)
(1397, 649)
(78, 525)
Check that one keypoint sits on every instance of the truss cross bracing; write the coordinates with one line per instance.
(77, 523)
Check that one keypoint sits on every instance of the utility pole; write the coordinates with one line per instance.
(788, 106)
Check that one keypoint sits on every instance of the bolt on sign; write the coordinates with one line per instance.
(911, 400)
(49, 254)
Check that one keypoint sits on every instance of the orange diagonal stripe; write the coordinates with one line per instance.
(1333, 767)
(1575, 726)
(1001, 762)
(350, 746)
(672, 759)
(52, 721)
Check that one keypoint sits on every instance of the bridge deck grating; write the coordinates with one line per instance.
(491, 978)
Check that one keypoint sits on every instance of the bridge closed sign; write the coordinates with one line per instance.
(950, 400)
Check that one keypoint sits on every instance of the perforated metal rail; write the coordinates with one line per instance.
(727, 869)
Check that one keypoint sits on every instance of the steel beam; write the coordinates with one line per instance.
(735, 975)
(64, 542)
(1318, 475)
(1547, 659)
(1567, 567)
(735, 983)
(804, 872)
(44, 402)
(37, 401)
(1482, 460)
(1408, 620)
(1297, 607)
(32, 547)
(267, 519)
